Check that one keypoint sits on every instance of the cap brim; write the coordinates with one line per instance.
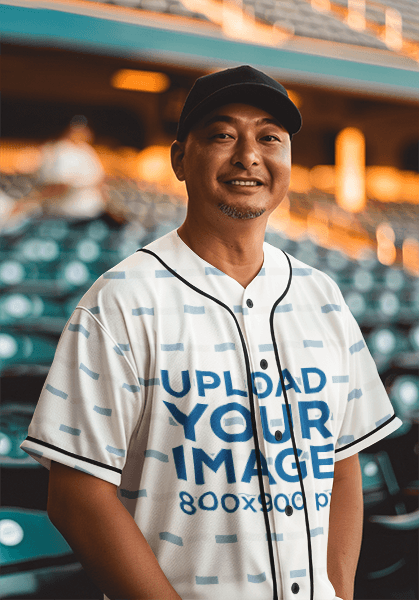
(256, 94)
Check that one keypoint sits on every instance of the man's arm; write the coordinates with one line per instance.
(345, 526)
(104, 536)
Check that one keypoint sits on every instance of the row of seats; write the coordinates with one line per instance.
(46, 264)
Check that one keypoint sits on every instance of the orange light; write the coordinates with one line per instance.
(19, 156)
(321, 5)
(393, 35)
(300, 179)
(237, 23)
(295, 97)
(386, 251)
(141, 81)
(410, 187)
(384, 183)
(350, 169)
(411, 255)
(356, 14)
(153, 163)
(154, 167)
(323, 178)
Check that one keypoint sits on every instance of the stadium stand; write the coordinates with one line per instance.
(301, 17)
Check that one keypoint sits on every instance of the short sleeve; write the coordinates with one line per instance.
(90, 405)
(368, 415)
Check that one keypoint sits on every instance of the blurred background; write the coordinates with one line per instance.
(91, 95)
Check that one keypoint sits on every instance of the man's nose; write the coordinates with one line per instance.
(246, 153)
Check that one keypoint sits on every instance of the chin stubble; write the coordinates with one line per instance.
(236, 213)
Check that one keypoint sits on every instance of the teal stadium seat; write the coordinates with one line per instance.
(358, 305)
(18, 349)
(14, 423)
(372, 478)
(404, 395)
(32, 552)
(385, 343)
(414, 337)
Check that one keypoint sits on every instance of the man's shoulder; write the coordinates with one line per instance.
(137, 271)
(303, 273)
(143, 259)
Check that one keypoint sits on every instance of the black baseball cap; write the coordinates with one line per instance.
(244, 85)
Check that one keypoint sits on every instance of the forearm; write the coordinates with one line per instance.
(345, 527)
(110, 546)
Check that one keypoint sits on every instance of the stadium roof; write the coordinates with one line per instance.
(310, 48)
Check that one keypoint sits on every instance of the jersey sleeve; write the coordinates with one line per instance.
(90, 405)
(368, 415)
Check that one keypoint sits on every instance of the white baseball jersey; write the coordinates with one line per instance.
(219, 413)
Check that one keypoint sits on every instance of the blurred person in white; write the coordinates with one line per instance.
(71, 174)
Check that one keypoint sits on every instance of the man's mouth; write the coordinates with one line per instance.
(247, 182)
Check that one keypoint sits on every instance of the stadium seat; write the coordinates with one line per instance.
(14, 423)
(30, 548)
(17, 349)
(385, 343)
(372, 478)
(404, 395)
(27, 535)
(23, 309)
(398, 522)
(358, 305)
(395, 280)
(414, 337)
(14, 272)
(363, 280)
(56, 229)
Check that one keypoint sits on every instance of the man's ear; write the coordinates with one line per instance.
(177, 152)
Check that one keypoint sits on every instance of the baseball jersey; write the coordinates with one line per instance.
(218, 411)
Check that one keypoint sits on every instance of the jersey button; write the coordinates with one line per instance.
(289, 510)
(249, 303)
(295, 588)
(263, 364)
(278, 435)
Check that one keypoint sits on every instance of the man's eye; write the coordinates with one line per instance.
(221, 136)
(271, 138)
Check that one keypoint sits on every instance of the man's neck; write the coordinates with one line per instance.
(236, 249)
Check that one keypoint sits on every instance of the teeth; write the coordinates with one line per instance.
(238, 182)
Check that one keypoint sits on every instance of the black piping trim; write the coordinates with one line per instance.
(367, 434)
(89, 460)
(290, 426)
(252, 413)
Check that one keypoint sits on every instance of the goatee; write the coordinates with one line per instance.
(237, 213)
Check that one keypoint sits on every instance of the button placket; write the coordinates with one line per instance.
(253, 322)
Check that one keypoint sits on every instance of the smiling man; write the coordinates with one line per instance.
(209, 395)
(236, 164)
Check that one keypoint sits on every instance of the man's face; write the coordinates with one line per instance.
(236, 163)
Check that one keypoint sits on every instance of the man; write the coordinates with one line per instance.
(210, 390)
